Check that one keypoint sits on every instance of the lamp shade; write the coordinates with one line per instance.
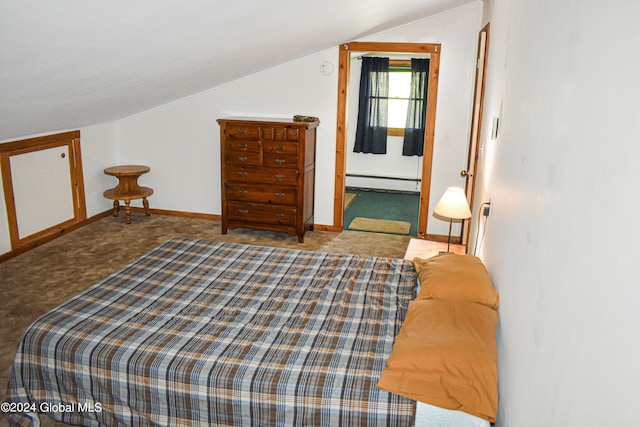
(453, 204)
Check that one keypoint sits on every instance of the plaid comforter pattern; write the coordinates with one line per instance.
(210, 333)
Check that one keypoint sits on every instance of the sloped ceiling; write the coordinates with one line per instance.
(71, 63)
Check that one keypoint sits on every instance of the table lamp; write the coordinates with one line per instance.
(453, 205)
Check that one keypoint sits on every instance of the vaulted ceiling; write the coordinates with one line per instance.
(71, 63)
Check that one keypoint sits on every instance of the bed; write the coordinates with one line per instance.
(210, 333)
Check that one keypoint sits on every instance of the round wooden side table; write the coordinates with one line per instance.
(128, 188)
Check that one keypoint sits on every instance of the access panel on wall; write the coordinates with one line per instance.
(42, 183)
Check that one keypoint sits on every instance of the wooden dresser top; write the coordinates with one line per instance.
(269, 120)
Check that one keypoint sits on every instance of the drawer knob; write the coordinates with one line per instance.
(242, 131)
(243, 211)
(279, 215)
(242, 145)
(280, 176)
(243, 191)
(242, 158)
(280, 148)
(242, 173)
(279, 194)
(280, 161)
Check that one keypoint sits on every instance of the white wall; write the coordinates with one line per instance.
(98, 152)
(561, 243)
(180, 141)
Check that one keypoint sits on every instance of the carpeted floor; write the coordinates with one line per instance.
(380, 204)
(41, 279)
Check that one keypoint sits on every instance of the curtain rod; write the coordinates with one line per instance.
(396, 58)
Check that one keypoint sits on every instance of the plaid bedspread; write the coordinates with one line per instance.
(204, 333)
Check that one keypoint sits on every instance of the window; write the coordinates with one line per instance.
(393, 102)
(399, 91)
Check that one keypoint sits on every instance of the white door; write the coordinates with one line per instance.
(42, 189)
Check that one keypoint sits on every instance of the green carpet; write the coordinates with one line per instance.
(379, 204)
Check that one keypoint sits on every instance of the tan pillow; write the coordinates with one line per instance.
(445, 354)
(456, 278)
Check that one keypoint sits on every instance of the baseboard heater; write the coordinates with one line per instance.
(384, 177)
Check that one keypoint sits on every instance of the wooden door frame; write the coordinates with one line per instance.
(433, 49)
(475, 131)
(68, 139)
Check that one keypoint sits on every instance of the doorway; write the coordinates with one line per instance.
(382, 190)
(433, 50)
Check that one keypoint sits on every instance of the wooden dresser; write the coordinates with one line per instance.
(268, 174)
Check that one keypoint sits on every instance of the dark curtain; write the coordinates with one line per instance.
(371, 133)
(417, 111)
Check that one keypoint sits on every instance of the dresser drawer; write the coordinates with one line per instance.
(262, 213)
(243, 158)
(281, 160)
(292, 134)
(278, 195)
(242, 145)
(262, 175)
(280, 133)
(280, 147)
(233, 131)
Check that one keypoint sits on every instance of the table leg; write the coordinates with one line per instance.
(127, 210)
(116, 207)
(145, 203)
